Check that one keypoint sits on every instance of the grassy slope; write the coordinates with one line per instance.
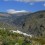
(9, 38)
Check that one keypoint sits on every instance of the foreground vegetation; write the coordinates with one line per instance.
(10, 38)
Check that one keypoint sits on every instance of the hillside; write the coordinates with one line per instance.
(30, 23)
(7, 20)
(35, 24)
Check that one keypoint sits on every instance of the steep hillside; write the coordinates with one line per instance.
(8, 21)
(35, 24)
(30, 23)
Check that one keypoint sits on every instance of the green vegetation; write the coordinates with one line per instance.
(9, 38)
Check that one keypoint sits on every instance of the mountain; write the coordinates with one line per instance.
(34, 24)
(7, 20)
(30, 23)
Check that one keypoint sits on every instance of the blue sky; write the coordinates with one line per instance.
(17, 5)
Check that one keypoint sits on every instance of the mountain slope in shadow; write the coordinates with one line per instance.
(35, 24)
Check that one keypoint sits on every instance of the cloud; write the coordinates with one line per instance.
(12, 11)
(31, 3)
(44, 4)
(6, 0)
(29, 0)
(26, 0)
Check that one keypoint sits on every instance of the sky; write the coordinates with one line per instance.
(21, 5)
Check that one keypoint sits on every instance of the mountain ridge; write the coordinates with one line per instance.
(31, 23)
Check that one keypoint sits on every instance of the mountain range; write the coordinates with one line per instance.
(30, 23)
